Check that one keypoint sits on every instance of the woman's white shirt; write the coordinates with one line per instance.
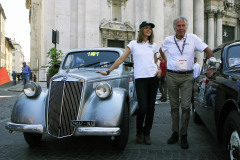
(143, 57)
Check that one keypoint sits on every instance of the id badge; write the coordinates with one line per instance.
(182, 64)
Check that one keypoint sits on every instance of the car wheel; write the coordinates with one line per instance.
(196, 117)
(231, 134)
(122, 139)
(32, 139)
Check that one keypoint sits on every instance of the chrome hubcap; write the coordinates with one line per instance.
(234, 146)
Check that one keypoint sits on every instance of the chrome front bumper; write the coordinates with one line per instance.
(33, 128)
(97, 131)
(80, 131)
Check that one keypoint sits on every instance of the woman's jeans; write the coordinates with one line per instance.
(146, 89)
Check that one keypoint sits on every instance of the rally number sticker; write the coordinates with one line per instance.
(202, 91)
(131, 89)
(92, 54)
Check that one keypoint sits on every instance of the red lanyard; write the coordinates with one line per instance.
(181, 51)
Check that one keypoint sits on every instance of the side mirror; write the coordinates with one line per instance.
(57, 65)
(128, 64)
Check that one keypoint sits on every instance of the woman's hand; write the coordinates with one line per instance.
(158, 74)
(102, 72)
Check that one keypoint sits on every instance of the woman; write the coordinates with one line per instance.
(146, 74)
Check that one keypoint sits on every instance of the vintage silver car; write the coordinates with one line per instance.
(79, 102)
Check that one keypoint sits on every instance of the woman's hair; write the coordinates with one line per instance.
(180, 18)
(140, 36)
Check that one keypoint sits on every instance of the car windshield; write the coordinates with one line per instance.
(234, 56)
(92, 59)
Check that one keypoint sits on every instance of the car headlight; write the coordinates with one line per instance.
(32, 89)
(103, 90)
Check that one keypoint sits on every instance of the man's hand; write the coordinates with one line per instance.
(159, 72)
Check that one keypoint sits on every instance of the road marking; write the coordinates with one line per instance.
(7, 119)
(5, 96)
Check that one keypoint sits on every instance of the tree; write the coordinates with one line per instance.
(55, 58)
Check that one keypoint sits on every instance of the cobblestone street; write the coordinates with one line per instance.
(202, 144)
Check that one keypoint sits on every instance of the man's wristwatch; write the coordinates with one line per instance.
(108, 72)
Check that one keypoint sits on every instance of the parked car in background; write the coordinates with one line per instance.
(217, 97)
(79, 102)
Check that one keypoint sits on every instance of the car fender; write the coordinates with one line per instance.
(105, 112)
(228, 106)
(30, 110)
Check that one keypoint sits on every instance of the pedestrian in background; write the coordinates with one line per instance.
(162, 83)
(18, 77)
(26, 71)
(146, 74)
(181, 49)
(196, 68)
(14, 76)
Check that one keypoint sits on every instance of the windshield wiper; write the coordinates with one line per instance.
(104, 63)
(235, 65)
(87, 65)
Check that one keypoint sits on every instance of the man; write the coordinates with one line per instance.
(26, 71)
(196, 68)
(162, 82)
(181, 49)
(14, 76)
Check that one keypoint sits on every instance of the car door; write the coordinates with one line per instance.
(128, 69)
(205, 93)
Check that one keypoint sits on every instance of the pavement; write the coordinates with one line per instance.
(19, 86)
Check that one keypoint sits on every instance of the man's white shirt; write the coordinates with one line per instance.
(185, 61)
(196, 70)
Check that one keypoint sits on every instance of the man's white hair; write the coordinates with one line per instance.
(180, 18)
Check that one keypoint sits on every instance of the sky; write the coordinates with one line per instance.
(17, 24)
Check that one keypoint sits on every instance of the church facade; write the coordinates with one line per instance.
(114, 23)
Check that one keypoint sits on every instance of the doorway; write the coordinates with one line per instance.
(115, 43)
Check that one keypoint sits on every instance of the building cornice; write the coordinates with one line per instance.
(117, 26)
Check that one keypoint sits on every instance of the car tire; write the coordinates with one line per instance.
(231, 135)
(32, 139)
(196, 117)
(121, 140)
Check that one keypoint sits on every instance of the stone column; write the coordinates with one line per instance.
(198, 25)
(211, 28)
(219, 27)
(157, 17)
(137, 16)
(187, 11)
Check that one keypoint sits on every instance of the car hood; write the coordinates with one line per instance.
(85, 74)
(234, 75)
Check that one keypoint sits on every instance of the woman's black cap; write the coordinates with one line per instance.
(144, 23)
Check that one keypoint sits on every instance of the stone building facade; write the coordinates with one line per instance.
(8, 56)
(93, 23)
(17, 57)
(2, 37)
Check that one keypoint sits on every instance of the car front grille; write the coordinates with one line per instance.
(64, 103)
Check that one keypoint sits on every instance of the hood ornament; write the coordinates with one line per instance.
(64, 78)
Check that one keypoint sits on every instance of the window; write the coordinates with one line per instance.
(228, 33)
(90, 59)
(233, 56)
(13, 54)
(116, 10)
